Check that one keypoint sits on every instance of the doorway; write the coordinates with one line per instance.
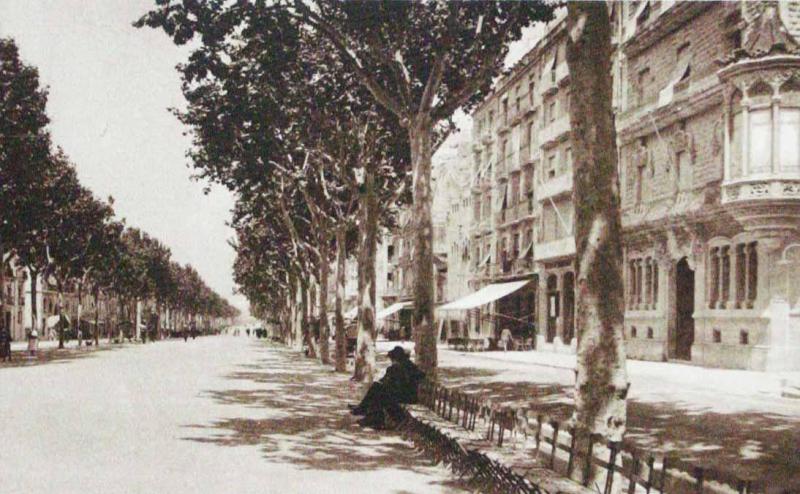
(684, 310)
(553, 307)
(569, 307)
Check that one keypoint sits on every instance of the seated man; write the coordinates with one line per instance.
(398, 385)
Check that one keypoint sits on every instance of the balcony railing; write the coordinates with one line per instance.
(558, 185)
(761, 189)
(555, 130)
(553, 249)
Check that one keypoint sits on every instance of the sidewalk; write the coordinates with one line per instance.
(640, 372)
(732, 421)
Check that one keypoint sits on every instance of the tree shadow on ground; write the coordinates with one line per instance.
(754, 446)
(303, 420)
(53, 356)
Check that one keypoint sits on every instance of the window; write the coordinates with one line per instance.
(505, 111)
(550, 172)
(650, 333)
(790, 139)
(760, 140)
(551, 108)
(532, 135)
(641, 85)
(531, 92)
(568, 159)
(633, 331)
(515, 190)
(733, 276)
(643, 284)
(491, 119)
(390, 252)
(717, 336)
(515, 246)
(744, 337)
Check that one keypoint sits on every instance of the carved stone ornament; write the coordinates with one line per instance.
(682, 141)
(765, 32)
(642, 159)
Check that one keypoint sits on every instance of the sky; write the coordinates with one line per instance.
(110, 87)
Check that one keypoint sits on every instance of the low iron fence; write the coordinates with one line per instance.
(638, 470)
(475, 468)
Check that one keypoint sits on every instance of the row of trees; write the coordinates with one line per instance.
(60, 232)
(322, 117)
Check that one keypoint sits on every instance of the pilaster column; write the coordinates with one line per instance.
(776, 127)
(726, 142)
(745, 136)
(542, 309)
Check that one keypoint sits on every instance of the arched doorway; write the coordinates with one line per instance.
(684, 310)
(569, 307)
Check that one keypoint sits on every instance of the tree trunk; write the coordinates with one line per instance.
(305, 309)
(78, 317)
(601, 382)
(121, 319)
(59, 305)
(419, 134)
(341, 331)
(368, 244)
(2, 288)
(158, 321)
(97, 317)
(34, 304)
(324, 329)
(296, 330)
(138, 322)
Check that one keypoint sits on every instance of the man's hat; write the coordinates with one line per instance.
(397, 353)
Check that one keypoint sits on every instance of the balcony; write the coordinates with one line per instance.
(554, 249)
(554, 131)
(548, 84)
(559, 185)
(764, 203)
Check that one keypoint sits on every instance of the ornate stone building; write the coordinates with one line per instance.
(709, 132)
(707, 96)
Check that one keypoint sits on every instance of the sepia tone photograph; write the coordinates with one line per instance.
(399, 246)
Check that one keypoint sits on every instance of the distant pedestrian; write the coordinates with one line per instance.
(185, 335)
(248, 332)
(33, 339)
(5, 344)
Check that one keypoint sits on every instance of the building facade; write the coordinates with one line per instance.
(707, 97)
(521, 198)
(709, 134)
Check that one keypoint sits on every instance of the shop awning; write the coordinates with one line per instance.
(485, 295)
(392, 309)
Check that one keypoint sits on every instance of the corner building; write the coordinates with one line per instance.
(707, 98)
